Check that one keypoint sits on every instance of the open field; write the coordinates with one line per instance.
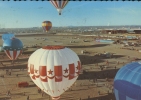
(88, 84)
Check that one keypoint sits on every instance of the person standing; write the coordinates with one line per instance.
(42, 94)
(27, 97)
(98, 92)
(24, 93)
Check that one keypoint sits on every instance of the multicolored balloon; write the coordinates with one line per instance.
(127, 82)
(59, 4)
(47, 25)
(54, 69)
(13, 48)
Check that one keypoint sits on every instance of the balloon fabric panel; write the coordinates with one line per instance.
(57, 72)
(13, 55)
(42, 73)
(60, 4)
(7, 36)
(127, 82)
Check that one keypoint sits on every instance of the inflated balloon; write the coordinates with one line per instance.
(59, 4)
(7, 36)
(13, 48)
(54, 69)
(127, 82)
(47, 25)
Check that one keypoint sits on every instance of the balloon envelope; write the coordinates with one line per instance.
(7, 36)
(47, 25)
(127, 82)
(13, 48)
(59, 4)
(54, 69)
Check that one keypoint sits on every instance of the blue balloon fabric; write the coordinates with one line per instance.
(12, 44)
(127, 82)
(7, 36)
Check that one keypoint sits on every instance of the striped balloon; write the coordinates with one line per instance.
(13, 48)
(47, 25)
(54, 69)
(59, 4)
(13, 54)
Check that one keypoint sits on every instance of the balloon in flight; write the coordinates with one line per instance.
(13, 48)
(54, 69)
(127, 82)
(47, 25)
(59, 4)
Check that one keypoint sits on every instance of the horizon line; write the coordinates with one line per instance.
(74, 26)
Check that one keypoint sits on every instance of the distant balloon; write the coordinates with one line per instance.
(13, 48)
(59, 4)
(7, 36)
(127, 82)
(54, 69)
(47, 25)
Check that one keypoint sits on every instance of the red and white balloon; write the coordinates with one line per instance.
(54, 69)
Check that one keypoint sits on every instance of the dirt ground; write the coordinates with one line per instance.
(93, 84)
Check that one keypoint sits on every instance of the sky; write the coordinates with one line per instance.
(23, 14)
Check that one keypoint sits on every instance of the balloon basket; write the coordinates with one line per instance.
(56, 98)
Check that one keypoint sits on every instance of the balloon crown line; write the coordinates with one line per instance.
(53, 47)
(71, 0)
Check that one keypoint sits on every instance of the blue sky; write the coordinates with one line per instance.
(85, 13)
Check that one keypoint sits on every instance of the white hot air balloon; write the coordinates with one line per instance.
(54, 69)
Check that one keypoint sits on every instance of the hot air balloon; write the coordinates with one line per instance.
(54, 69)
(127, 82)
(47, 25)
(59, 4)
(13, 48)
(7, 36)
